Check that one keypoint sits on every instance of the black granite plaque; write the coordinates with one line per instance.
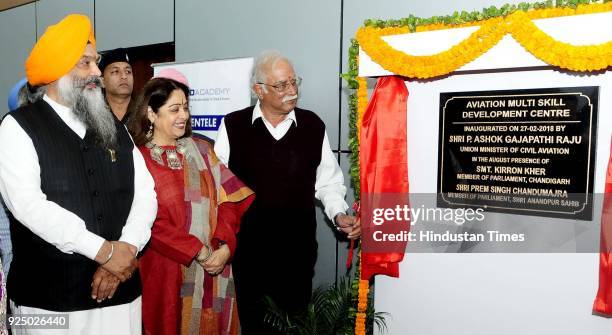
(528, 151)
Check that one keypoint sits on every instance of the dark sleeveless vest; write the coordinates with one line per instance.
(281, 222)
(78, 175)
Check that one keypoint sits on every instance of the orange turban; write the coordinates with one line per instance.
(59, 49)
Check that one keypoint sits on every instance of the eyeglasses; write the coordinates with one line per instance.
(284, 85)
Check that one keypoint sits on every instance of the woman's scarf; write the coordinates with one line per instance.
(209, 303)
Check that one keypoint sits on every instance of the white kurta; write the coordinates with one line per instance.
(20, 188)
(123, 319)
(329, 182)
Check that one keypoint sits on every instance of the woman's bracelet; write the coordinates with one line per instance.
(110, 255)
(208, 254)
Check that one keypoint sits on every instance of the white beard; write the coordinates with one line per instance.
(89, 106)
(287, 98)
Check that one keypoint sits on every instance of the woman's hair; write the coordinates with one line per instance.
(154, 94)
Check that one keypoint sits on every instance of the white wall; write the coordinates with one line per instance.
(121, 23)
(493, 293)
(501, 294)
(17, 37)
(49, 12)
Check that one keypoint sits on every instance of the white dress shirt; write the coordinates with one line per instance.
(20, 188)
(329, 184)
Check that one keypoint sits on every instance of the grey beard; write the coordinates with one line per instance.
(90, 107)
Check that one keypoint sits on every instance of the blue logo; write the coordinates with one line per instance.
(206, 122)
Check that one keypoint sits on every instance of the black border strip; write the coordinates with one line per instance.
(338, 150)
(94, 18)
(174, 25)
(35, 20)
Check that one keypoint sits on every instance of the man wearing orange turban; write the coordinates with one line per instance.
(80, 197)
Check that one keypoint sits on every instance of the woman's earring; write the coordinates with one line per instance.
(150, 132)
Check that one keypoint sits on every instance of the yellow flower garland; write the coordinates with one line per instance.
(364, 285)
(564, 55)
(362, 103)
(518, 24)
(533, 14)
(364, 289)
(489, 33)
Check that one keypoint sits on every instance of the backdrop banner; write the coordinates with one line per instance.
(216, 88)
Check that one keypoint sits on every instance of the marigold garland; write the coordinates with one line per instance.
(364, 285)
(489, 33)
(564, 55)
(518, 24)
(532, 14)
(362, 302)
(362, 103)
(362, 305)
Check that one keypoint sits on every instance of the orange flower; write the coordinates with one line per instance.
(576, 58)
(518, 24)
(362, 103)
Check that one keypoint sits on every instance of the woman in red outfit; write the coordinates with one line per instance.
(187, 288)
